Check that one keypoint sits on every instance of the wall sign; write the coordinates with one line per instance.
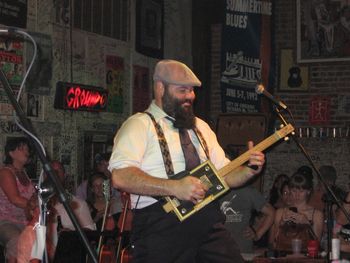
(71, 96)
(245, 60)
(319, 110)
(13, 13)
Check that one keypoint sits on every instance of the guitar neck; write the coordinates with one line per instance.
(259, 147)
(103, 227)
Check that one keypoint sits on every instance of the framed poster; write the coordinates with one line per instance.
(319, 110)
(13, 13)
(323, 30)
(149, 27)
(292, 76)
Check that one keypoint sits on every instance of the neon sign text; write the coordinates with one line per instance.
(77, 98)
(73, 96)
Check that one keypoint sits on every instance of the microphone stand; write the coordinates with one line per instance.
(329, 191)
(46, 165)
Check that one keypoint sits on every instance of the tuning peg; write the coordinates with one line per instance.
(286, 138)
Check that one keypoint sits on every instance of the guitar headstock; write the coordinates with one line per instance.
(106, 189)
(286, 130)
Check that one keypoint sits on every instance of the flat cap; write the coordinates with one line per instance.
(175, 72)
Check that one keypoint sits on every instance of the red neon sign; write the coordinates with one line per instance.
(71, 96)
(77, 98)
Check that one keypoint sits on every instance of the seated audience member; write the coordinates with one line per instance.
(97, 201)
(237, 206)
(26, 240)
(80, 209)
(275, 195)
(101, 166)
(307, 171)
(300, 220)
(285, 199)
(17, 198)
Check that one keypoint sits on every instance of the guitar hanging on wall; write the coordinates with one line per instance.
(294, 79)
(214, 179)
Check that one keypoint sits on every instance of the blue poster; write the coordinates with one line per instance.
(246, 53)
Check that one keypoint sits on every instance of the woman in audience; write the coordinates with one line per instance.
(17, 199)
(299, 220)
(285, 196)
(97, 200)
(276, 195)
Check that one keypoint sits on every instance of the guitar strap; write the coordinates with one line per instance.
(165, 149)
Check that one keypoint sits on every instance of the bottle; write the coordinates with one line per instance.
(335, 253)
(335, 248)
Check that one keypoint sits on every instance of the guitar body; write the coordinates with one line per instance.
(107, 254)
(216, 185)
(124, 225)
(125, 256)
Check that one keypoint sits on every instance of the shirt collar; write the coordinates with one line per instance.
(157, 112)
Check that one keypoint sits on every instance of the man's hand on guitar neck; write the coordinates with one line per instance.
(256, 160)
(242, 174)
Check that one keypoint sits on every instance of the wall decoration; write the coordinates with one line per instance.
(72, 96)
(323, 30)
(245, 60)
(141, 89)
(33, 105)
(13, 13)
(39, 78)
(115, 80)
(9, 126)
(149, 27)
(292, 76)
(11, 60)
(319, 110)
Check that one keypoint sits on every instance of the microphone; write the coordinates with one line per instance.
(259, 88)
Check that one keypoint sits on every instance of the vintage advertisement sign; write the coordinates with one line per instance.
(246, 54)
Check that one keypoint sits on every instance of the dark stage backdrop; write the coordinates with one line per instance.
(245, 53)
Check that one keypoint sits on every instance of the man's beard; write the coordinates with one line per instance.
(184, 116)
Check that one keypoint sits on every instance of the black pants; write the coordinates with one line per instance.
(160, 237)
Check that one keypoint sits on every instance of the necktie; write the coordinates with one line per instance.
(191, 156)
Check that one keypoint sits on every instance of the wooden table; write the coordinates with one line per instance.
(289, 259)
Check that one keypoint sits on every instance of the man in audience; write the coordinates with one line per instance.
(101, 162)
(238, 206)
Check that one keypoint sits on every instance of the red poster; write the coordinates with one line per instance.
(141, 89)
(319, 112)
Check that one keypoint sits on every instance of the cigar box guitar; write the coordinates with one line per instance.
(214, 179)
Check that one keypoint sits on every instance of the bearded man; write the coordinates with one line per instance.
(148, 149)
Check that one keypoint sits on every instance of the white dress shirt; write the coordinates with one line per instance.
(136, 144)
